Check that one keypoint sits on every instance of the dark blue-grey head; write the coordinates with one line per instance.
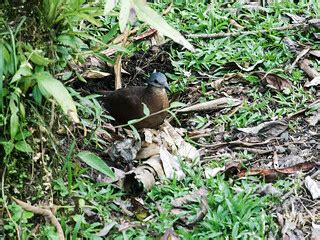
(158, 79)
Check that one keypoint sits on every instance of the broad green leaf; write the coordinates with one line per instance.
(151, 17)
(22, 111)
(111, 34)
(124, 14)
(14, 125)
(23, 71)
(37, 96)
(146, 110)
(8, 147)
(50, 86)
(89, 18)
(96, 162)
(177, 104)
(22, 146)
(109, 5)
(36, 58)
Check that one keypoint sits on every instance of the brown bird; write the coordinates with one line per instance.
(126, 104)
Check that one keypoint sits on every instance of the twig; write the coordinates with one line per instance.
(254, 150)
(233, 34)
(44, 212)
(5, 204)
(235, 143)
(141, 119)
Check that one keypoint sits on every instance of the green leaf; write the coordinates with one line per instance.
(14, 125)
(8, 147)
(96, 162)
(24, 71)
(37, 96)
(177, 104)
(50, 86)
(124, 14)
(109, 5)
(22, 146)
(151, 17)
(38, 59)
(111, 34)
(146, 110)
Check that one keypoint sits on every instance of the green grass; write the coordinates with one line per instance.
(235, 210)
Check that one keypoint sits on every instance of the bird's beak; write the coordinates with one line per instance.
(167, 87)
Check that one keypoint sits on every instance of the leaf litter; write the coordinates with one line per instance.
(277, 151)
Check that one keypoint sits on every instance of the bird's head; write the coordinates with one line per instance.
(158, 79)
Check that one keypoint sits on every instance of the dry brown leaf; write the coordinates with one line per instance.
(307, 67)
(272, 173)
(295, 18)
(299, 56)
(266, 129)
(148, 151)
(140, 179)
(189, 198)
(213, 105)
(170, 235)
(291, 45)
(231, 78)
(315, 117)
(274, 80)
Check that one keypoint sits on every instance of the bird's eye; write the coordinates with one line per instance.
(156, 81)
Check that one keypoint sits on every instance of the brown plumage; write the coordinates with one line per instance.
(125, 104)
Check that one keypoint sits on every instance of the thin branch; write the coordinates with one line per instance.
(5, 203)
(44, 212)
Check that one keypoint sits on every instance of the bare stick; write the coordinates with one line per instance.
(43, 212)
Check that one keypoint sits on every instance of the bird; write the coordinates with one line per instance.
(126, 104)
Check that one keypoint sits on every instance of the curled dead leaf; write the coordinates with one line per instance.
(274, 80)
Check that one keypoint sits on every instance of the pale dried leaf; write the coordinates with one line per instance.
(313, 187)
(148, 151)
(106, 229)
(314, 82)
(184, 149)
(124, 14)
(315, 53)
(213, 105)
(235, 65)
(295, 18)
(212, 172)
(266, 129)
(171, 165)
(94, 74)
(109, 5)
(315, 232)
(156, 164)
